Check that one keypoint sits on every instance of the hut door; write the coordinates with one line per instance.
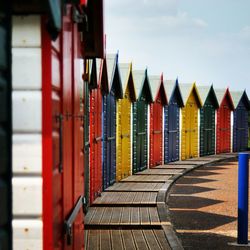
(241, 129)
(140, 136)
(109, 146)
(156, 134)
(225, 129)
(208, 129)
(125, 137)
(173, 131)
(86, 142)
(96, 143)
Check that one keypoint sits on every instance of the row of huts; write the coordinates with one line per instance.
(71, 126)
(139, 121)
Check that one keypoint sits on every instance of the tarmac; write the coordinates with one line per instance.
(203, 207)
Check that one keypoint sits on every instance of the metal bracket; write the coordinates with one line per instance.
(69, 222)
(81, 18)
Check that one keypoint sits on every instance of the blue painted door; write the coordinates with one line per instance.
(240, 129)
(109, 139)
(171, 135)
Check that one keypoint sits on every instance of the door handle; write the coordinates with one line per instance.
(125, 136)
(141, 133)
(59, 118)
(157, 132)
(96, 139)
(111, 138)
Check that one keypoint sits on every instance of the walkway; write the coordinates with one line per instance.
(133, 214)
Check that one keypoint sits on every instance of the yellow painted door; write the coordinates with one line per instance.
(189, 138)
(123, 138)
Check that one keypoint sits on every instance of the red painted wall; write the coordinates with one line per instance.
(156, 135)
(223, 128)
(95, 143)
(61, 96)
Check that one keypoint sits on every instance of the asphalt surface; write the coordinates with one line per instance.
(203, 207)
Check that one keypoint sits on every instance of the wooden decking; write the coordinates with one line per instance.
(132, 214)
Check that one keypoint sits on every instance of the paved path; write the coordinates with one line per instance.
(132, 214)
(203, 207)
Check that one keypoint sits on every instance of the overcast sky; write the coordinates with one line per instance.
(207, 41)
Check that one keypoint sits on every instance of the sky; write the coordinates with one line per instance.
(207, 41)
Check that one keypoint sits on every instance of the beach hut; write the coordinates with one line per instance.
(189, 124)
(172, 121)
(89, 83)
(223, 126)
(140, 120)
(109, 120)
(123, 157)
(240, 120)
(49, 45)
(99, 86)
(156, 120)
(207, 119)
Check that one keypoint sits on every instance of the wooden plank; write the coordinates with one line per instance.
(175, 166)
(135, 215)
(128, 239)
(135, 187)
(139, 239)
(158, 171)
(93, 239)
(145, 198)
(154, 218)
(116, 216)
(180, 163)
(125, 219)
(161, 238)
(116, 240)
(144, 216)
(105, 242)
(107, 215)
(96, 219)
(148, 178)
(90, 214)
(151, 239)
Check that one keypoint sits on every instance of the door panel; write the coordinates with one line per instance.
(109, 137)
(95, 143)
(140, 135)
(156, 134)
(123, 138)
(240, 128)
(190, 129)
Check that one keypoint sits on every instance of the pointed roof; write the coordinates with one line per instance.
(187, 89)
(171, 86)
(221, 94)
(102, 78)
(237, 96)
(155, 83)
(92, 74)
(113, 73)
(125, 70)
(205, 91)
(140, 79)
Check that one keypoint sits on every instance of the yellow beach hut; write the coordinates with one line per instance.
(189, 121)
(123, 128)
